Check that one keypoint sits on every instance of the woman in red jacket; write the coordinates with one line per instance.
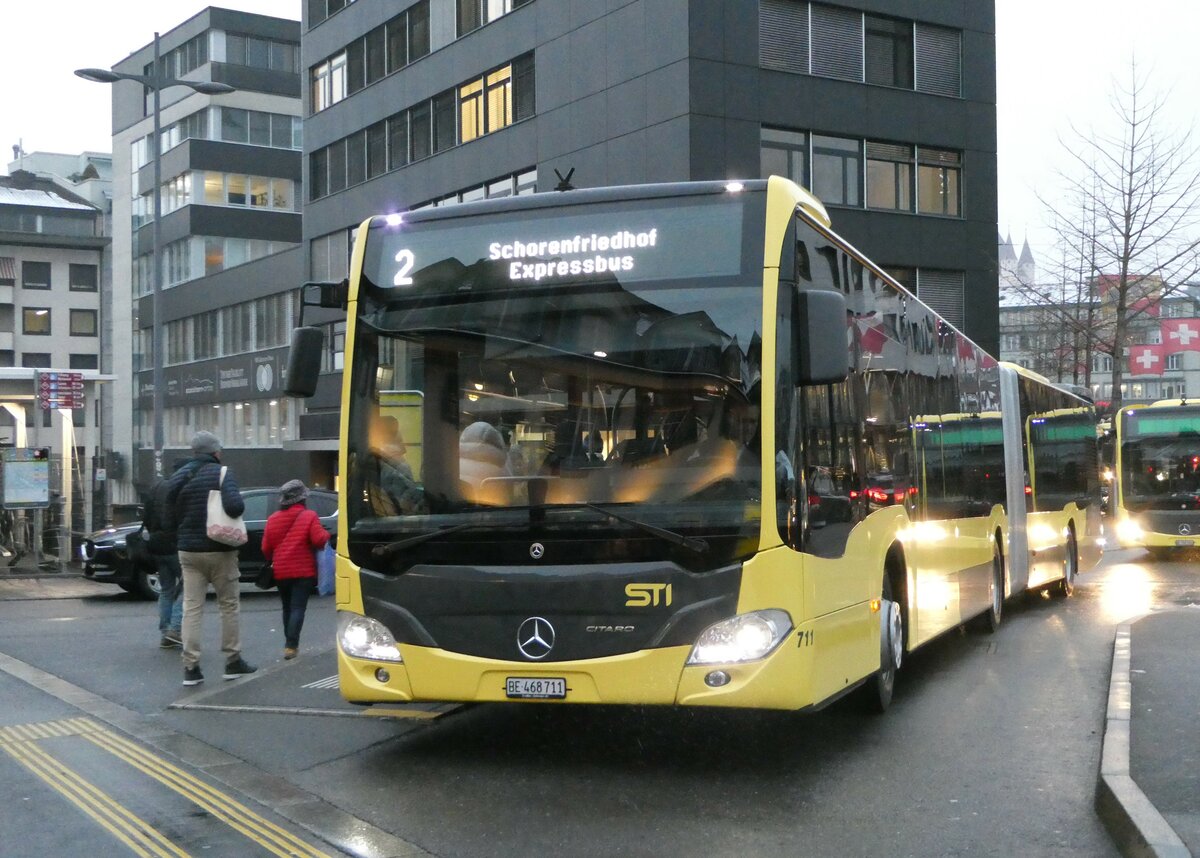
(290, 537)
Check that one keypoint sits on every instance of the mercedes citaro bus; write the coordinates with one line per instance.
(670, 444)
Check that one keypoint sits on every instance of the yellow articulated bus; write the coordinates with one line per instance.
(1156, 500)
(658, 445)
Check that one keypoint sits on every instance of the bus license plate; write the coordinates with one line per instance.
(535, 688)
(1184, 543)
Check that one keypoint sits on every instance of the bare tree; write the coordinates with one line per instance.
(1131, 213)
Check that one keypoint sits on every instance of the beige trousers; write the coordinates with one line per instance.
(201, 568)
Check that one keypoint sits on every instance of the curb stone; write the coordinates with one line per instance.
(1134, 823)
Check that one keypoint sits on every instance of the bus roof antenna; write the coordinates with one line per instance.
(564, 182)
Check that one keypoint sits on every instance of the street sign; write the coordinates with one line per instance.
(59, 389)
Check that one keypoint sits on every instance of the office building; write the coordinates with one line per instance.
(884, 108)
(230, 245)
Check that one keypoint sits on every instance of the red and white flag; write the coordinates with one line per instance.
(1181, 335)
(1146, 360)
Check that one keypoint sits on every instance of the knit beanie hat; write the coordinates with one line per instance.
(205, 442)
(292, 492)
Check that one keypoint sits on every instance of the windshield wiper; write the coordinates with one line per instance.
(385, 552)
(691, 543)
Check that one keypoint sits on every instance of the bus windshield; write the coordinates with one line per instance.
(1160, 459)
(569, 371)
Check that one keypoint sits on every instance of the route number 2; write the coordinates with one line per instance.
(406, 260)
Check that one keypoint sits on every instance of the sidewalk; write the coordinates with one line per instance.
(26, 580)
(1148, 793)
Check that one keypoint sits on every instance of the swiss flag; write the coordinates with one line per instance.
(1181, 335)
(1146, 360)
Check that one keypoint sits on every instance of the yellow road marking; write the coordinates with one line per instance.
(19, 741)
(141, 837)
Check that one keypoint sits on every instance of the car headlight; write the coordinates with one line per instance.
(363, 637)
(1129, 530)
(745, 637)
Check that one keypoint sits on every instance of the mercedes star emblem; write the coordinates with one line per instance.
(535, 638)
(537, 550)
(1185, 529)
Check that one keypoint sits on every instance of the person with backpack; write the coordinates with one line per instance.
(291, 536)
(205, 561)
(159, 524)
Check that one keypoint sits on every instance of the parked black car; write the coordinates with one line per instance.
(106, 557)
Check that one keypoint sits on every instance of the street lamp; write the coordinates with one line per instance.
(156, 81)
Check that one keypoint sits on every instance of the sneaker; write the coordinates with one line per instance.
(192, 676)
(290, 652)
(238, 667)
(170, 639)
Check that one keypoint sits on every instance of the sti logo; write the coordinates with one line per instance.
(647, 595)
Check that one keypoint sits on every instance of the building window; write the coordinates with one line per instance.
(329, 82)
(906, 277)
(356, 159)
(35, 360)
(418, 31)
(785, 153)
(444, 126)
(397, 43)
(337, 166)
(319, 10)
(35, 321)
(813, 38)
(470, 106)
(318, 164)
(376, 46)
(83, 278)
(837, 170)
(888, 51)
(261, 53)
(943, 292)
(356, 74)
(377, 150)
(421, 132)
(397, 140)
(1102, 362)
(837, 42)
(938, 179)
(1175, 361)
(80, 361)
(889, 176)
(938, 60)
(35, 275)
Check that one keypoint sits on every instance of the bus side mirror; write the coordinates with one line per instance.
(304, 361)
(819, 337)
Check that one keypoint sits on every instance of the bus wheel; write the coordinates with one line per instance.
(990, 621)
(1066, 586)
(878, 690)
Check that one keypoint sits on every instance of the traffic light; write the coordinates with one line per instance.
(41, 454)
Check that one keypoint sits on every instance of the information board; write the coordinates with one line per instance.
(25, 475)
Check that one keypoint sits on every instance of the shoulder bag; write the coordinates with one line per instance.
(220, 526)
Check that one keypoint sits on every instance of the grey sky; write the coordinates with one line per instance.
(1056, 60)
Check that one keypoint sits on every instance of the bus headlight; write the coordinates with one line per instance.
(745, 637)
(1129, 530)
(363, 637)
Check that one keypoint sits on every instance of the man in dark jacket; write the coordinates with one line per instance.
(159, 523)
(204, 561)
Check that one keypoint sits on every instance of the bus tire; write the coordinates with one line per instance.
(877, 693)
(1066, 586)
(989, 620)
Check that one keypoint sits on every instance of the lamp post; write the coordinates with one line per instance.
(156, 81)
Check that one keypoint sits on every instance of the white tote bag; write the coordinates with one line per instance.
(220, 526)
